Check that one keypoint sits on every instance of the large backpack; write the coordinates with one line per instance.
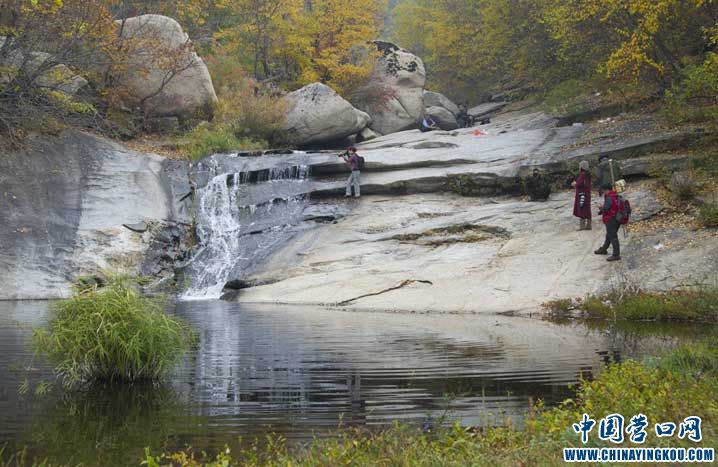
(360, 162)
(623, 214)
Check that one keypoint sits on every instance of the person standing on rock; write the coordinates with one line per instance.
(609, 212)
(352, 159)
(582, 200)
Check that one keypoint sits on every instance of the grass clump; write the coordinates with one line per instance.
(699, 305)
(205, 140)
(112, 333)
(708, 214)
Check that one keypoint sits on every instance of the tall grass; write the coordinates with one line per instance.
(708, 214)
(112, 333)
(699, 304)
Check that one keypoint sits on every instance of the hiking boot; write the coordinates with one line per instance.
(613, 258)
(601, 251)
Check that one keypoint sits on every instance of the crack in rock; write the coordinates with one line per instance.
(396, 287)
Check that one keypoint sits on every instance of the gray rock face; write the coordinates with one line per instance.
(394, 96)
(63, 203)
(443, 253)
(367, 134)
(443, 117)
(154, 38)
(436, 99)
(318, 115)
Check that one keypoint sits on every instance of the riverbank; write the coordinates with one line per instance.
(628, 388)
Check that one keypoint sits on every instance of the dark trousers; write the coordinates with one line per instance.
(612, 236)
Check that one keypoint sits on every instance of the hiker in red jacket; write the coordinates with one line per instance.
(609, 211)
(582, 200)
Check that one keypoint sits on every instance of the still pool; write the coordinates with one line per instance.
(302, 372)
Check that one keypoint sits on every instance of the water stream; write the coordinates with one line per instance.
(242, 213)
(303, 372)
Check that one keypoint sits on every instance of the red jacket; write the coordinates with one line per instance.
(610, 206)
(583, 187)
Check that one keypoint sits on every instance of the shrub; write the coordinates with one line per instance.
(708, 214)
(205, 140)
(560, 308)
(112, 334)
(679, 305)
(567, 96)
(695, 98)
(683, 186)
(248, 108)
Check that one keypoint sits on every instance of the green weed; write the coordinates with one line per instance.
(112, 333)
(708, 214)
(699, 304)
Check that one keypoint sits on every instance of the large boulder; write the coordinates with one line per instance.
(394, 94)
(318, 115)
(443, 117)
(166, 76)
(436, 99)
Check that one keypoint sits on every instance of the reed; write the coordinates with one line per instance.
(112, 333)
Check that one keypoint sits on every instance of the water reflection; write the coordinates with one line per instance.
(303, 371)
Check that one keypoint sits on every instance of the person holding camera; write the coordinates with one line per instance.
(353, 160)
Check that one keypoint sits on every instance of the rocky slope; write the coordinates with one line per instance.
(418, 246)
(78, 203)
(64, 201)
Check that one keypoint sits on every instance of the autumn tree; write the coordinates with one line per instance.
(47, 42)
(637, 40)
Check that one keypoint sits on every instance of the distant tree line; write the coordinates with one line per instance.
(473, 47)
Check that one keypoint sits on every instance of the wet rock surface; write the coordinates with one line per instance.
(64, 203)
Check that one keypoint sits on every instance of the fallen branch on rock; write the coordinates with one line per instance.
(399, 286)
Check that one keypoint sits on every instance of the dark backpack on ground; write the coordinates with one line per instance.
(360, 162)
(624, 210)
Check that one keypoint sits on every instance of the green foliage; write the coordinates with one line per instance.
(477, 46)
(680, 305)
(205, 140)
(248, 108)
(708, 214)
(113, 333)
(567, 97)
(695, 98)
(560, 308)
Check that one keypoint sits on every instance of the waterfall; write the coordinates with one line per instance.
(242, 217)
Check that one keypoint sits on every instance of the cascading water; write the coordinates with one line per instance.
(242, 216)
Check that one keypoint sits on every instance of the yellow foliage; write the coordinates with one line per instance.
(296, 42)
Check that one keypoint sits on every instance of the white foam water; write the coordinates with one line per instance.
(241, 218)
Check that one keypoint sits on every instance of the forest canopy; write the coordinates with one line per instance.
(476, 46)
(471, 48)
